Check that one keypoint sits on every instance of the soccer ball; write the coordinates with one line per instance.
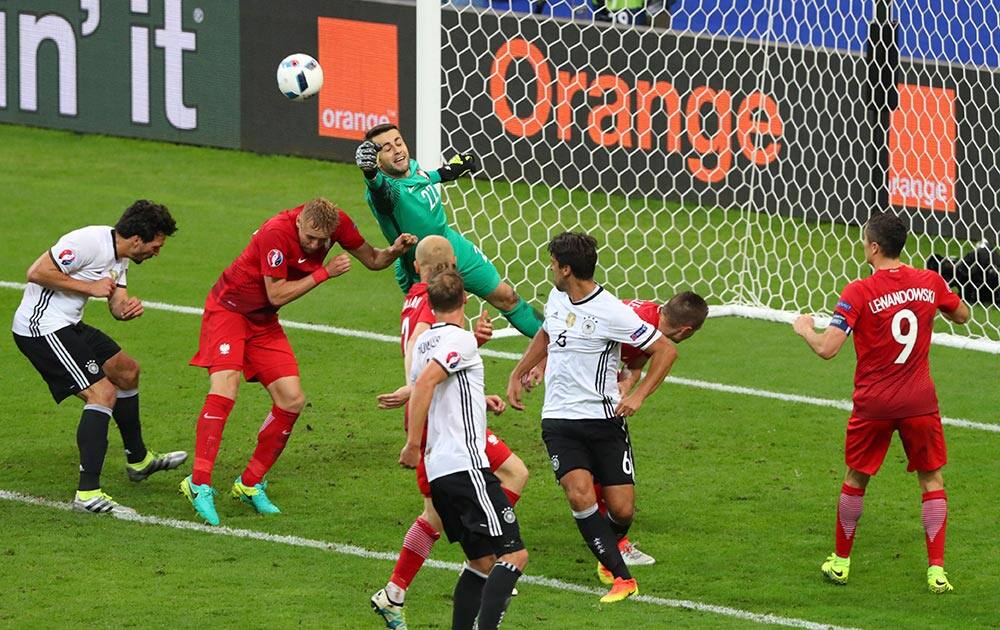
(299, 76)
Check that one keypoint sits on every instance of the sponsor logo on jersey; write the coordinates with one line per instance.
(66, 257)
(453, 359)
(639, 332)
(844, 305)
(275, 258)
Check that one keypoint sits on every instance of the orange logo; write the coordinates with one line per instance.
(922, 149)
(361, 77)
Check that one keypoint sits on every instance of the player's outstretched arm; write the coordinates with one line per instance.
(827, 344)
(123, 307)
(375, 259)
(420, 404)
(458, 166)
(281, 292)
(44, 272)
(662, 354)
(537, 350)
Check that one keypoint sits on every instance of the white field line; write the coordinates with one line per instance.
(719, 387)
(352, 550)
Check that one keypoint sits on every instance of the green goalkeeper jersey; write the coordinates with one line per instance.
(413, 205)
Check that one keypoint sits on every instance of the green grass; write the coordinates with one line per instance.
(736, 494)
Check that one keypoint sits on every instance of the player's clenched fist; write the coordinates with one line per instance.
(366, 157)
(338, 265)
(803, 324)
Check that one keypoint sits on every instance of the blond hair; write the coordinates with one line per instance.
(321, 214)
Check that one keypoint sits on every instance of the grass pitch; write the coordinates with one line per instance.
(736, 494)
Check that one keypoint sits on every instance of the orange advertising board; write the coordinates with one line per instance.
(922, 149)
(361, 76)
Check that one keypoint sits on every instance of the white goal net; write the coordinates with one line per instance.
(734, 152)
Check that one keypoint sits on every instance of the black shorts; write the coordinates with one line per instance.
(600, 446)
(70, 358)
(476, 513)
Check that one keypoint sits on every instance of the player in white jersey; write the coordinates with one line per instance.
(448, 397)
(583, 418)
(76, 359)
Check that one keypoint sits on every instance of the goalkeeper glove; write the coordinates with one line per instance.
(366, 157)
(458, 166)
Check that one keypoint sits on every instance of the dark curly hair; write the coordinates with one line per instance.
(146, 220)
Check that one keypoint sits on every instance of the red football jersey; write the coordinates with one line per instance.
(416, 309)
(274, 251)
(648, 312)
(891, 314)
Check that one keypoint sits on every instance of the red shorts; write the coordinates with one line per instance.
(496, 451)
(923, 440)
(231, 341)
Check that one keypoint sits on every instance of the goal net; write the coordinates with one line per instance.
(734, 152)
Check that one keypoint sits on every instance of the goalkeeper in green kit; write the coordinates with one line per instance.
(404, 199)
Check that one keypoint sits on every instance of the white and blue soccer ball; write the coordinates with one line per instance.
(299, 76)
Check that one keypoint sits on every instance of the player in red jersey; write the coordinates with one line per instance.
(240, 333)
(434, 254)
(891, 314)
(680, 318)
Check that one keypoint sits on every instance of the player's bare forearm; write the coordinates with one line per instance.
(377, 259)
(827, 344)
(45, 273)
(537, 350)
(960, 315)
(662, 355)
(281, 292)
(124, 307)
(420, 403)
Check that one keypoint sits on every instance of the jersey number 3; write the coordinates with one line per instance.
(907, 339)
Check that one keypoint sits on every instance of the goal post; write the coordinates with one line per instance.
(735, 154)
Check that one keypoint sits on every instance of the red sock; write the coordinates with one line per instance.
(852, 501)
(271, 440)
(601, 506)
(512, 496)
(416, 547)
(935, 516)
(208, 436)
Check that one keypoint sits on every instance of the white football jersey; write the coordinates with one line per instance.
(585, 337)
(85, 254)
(456, 421)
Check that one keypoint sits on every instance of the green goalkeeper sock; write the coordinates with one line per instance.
(524, 318)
